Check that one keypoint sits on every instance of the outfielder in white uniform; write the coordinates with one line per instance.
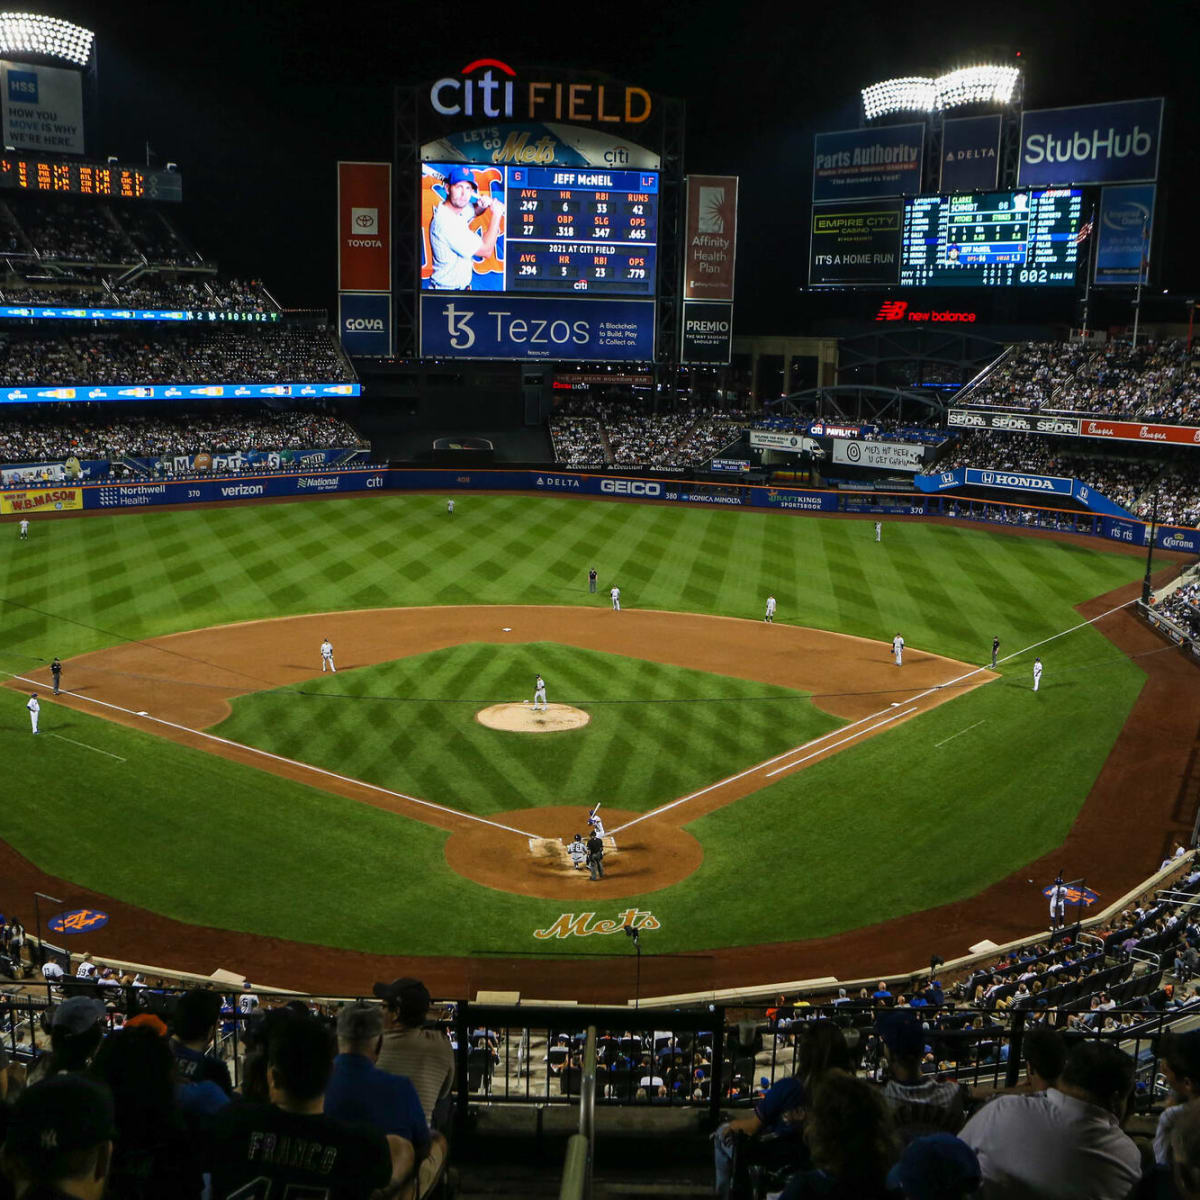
(450, 507)
(616, 599)
(34, 708)
(1037, 673)
(577, 849)
(898, 649)
(770, 610)
(327, 656)
(879, 531)
(539, 694)
(24, 528)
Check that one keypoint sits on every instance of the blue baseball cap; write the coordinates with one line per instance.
(461, 175)
(937, 1167)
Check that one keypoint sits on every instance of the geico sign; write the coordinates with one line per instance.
(367, 324)
(481, 92)
(630, 487)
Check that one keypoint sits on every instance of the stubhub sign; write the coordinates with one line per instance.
(458, 325)
(365, 323)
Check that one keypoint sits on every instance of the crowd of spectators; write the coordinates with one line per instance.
(1182, 608)
(150, 290)
(1153, 382)
(209, 355)
(872, 429)
(58, 434)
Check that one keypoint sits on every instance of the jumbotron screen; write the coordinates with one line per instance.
(991, 239)
(539, 230)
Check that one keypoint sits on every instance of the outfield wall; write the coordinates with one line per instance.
(36, 499)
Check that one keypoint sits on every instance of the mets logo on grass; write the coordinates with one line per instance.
(1075, 895)
(585, 924)
(78, 920)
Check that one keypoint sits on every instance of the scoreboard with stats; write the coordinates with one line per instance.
(991, 239)
(572, 230)
(111, 180)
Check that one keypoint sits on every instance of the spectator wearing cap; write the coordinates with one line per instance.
(1066, 1142)
(421, 1055)
(59, 1140)
(1179, 1061)
(205, 1085)
(936, 1167)
(920, 1104)
(76, 1030)
(849, 1134)
(153, 1153)
(359, 1091)
(289, 1145)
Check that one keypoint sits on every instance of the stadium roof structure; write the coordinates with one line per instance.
(966, 86)
(23, 34)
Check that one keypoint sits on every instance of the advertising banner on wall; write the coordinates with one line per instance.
(970, 154)
(364, 227)
(882, 456)
(365, 323)
(707, 333)
(42, 108)
(1125, 234)
(859, 164)
(1093, 143)
(560, 330)
(1121, 431)
(854, 244)
(711, 249)
(43, 499)
(540, 143)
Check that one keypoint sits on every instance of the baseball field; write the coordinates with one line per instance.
(781, 799)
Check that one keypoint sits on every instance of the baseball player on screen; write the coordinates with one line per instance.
(454, 243)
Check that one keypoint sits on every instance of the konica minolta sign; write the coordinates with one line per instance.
(1094, 143)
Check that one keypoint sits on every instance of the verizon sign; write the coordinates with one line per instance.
(879, 456)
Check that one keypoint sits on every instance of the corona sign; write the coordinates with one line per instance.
(488, 89)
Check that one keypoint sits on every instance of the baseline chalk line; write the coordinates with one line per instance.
(85, 746)
(959, 733)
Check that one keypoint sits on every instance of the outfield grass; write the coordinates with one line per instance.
(220, 844)
(656, 732)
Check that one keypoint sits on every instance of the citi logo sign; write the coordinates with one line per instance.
(485, 96)
(630, 487)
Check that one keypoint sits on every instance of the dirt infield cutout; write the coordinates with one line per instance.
(522, 717)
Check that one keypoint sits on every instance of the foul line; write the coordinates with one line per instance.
(85, 746)
(291, 762)
(938, 745)
(799, 762)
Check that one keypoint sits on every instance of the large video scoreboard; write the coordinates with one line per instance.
(565, 230)
(991, 239)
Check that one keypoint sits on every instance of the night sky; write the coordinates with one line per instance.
(257, 100)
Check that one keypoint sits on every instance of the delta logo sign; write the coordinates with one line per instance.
(79, 920)
(898, 310)
(488, 88)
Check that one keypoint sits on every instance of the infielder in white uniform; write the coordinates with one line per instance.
(1037, 673)
(327, 656)
(34, 708)
(770, 610)
(616, 599)
(24, 528)
(879, 531)
(454, 243)
(1058, 904)
(578, 852)
(539, 694)
(898, 649)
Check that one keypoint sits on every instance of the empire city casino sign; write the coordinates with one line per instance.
(488, 88)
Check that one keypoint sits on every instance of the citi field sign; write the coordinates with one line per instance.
(490, 89)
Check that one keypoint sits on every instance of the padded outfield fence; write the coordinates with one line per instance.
(59, 498)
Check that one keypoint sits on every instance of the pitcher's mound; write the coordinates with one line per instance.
(522, 718)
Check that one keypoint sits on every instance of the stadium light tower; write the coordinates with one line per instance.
(990, 84)
(24, 33)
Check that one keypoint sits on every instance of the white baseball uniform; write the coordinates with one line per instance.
(539, 694)
(327, 656)
(879, 531)
(770, 609)
(597, 825)
(1058, 904)
(24, 528)
(450, 507)
(34, 708)
(898, 649)
(577, 849)
(1037, 673)
(616, 599)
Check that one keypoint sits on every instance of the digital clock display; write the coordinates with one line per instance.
(110, 180)
(563, 230)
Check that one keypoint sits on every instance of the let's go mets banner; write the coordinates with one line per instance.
(40, 500)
